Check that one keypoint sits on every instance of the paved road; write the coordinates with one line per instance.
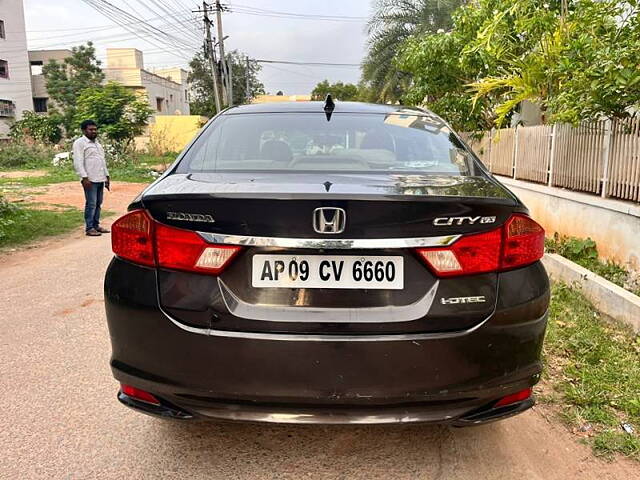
(60, 417)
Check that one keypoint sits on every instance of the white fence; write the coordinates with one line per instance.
(598, 157)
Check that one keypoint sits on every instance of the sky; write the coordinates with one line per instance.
(268, 29)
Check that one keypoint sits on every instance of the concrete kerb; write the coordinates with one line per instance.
(607, 297)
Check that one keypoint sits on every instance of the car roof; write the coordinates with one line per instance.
(318, 107)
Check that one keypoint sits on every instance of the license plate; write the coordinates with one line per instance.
(326, 271)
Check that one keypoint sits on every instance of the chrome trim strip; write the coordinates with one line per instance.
(329, 243)
(270, 313)
(337, 416)
(290, 337)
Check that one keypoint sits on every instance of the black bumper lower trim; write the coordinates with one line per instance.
(457, 416)
(165, 409)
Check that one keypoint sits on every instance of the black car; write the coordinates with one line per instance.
(327, 263)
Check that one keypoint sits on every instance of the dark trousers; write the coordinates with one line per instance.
(93, 201)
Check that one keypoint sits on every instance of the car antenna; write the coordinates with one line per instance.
(329, 106)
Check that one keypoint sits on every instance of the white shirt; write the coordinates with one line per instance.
(89, 161)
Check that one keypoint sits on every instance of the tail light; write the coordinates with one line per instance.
(186, 250)
(138, 238)
(132, 238)
(518, 243)
(523, 242)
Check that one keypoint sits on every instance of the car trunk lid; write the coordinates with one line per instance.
(381, 208)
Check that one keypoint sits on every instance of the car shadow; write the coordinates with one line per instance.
(294, 450)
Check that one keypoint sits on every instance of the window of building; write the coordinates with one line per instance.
(4, 69)
(7, 108)
(159, 101)
(36, 67)
(171, 97)
(40, 105)
(2, 32)
(186, 96)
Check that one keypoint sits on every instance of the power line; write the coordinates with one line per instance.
(291, 71)
(310, 64)
(172, 14)
(146, 31)
(250, 10)
(117, 37)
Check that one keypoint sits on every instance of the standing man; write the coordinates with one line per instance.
(90, 165)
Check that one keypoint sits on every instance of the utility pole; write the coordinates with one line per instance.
(210, 52)
(246, 77)
(223, 58)
(229, 64)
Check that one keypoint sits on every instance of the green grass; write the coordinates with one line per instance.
(593, 366)
(28, 224)
(134, 172)
(131, 173)
(166, 159)
(56, 175)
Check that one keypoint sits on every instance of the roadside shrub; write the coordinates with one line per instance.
(7, 211)
(572, 248)
(6, 207)
(38, 128)
(24, 155)
(584, 252)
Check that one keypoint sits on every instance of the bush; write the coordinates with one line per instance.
(7, 211)
(584, 252)
(39, 128)
(22, 155)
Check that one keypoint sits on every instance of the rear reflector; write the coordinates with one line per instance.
(138, 394)
(514, 398)
(518, 243)
(138, 238)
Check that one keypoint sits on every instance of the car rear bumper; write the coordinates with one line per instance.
(451, 378)
(446, 413)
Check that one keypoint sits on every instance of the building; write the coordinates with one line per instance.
(15, 74)
(178, 75)
(281, 98)
(37, 60)
(167, 91)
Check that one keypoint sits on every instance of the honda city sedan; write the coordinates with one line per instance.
(327, 262)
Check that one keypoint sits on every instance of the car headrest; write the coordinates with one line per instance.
(276, 150)
(377, 140)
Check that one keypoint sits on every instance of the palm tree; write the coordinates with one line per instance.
(392, 22)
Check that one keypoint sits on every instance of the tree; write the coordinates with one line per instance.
(583, 65)
(338, 90)
(201, 81)
(392, 22)
(67, 79)
(40, 128)
(576, 59)
(119, 112)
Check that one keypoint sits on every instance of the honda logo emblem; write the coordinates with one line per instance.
(329, 220)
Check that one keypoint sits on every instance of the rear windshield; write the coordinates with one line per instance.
(292, 142)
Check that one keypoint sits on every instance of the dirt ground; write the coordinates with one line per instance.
(71, 194)
(61, 419)
(23, 174)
